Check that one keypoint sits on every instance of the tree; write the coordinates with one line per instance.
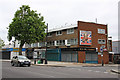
(27, 26)
(1, 43)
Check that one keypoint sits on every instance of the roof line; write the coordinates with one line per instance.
(63, 28)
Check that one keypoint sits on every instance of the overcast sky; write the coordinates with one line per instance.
(59, 12)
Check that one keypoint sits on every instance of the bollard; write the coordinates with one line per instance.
(34, 61)
(45, 61)
(41, 61)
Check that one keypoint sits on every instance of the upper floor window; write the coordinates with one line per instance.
(58, 33)
(72, 41)
(101, 41)
(49, 34)
(51, 43)
(35, 44)
(60, 42)
(42, 44)
(70, 31)
(101, 31)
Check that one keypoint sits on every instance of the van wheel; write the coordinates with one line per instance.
(29, 65)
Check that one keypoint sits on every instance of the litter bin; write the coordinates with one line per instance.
(39, 62)
(45, 61)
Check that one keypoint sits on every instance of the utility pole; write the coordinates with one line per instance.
(46, 45)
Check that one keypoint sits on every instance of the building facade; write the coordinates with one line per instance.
(85, 42)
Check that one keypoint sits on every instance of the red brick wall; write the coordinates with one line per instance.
(105, 57)
(64, 35)
(86, 26)
(81, 56)
(93, 27)
(99, 59)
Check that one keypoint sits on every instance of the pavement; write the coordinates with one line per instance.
(73, 64)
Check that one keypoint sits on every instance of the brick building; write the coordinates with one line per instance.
(82, 43)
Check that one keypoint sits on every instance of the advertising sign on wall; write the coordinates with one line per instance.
(85, 37)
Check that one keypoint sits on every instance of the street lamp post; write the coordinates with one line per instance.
(46, 45)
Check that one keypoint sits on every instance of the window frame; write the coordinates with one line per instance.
(73, 41)
(57, 33)
(60, 42)
(102, 42)
(101, 31)
(69, 31)
(49, 35)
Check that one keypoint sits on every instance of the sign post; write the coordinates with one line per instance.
(101, 50)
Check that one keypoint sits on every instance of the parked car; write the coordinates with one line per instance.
(20, 61)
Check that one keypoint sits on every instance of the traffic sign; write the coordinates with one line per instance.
(101, 49)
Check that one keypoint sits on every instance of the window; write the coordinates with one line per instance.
(51, 43)
(70, 31)
(60, 42)
(32, 45)
(35, 44)
(58, 33)
(101, 41)
(101, 31)
(73, 41)
(42, 44)
(49, 34)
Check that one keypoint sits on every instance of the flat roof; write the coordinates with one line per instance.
(63, 28)
(70, 26)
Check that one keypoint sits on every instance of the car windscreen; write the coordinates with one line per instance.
(22, 57)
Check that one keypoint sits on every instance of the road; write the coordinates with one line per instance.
(55, 72)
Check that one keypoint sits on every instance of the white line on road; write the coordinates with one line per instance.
(97, 71)
(105, 72)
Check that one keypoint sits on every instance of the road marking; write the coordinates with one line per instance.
(105, 72)
(51, 76)
(97, 71)
(79, 69)
(89, 70)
